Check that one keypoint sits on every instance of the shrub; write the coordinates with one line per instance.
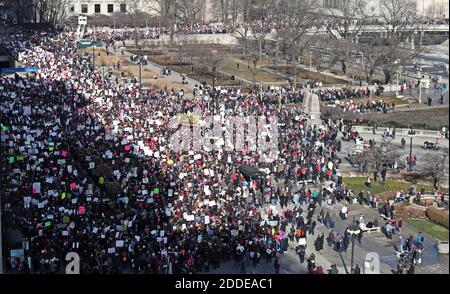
(438, 216)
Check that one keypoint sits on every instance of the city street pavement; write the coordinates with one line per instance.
(371, 242)
(414, 93)
(175, 77)
(425, 157)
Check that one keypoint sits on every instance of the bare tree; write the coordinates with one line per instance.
(168, 10)
(261, 14)
(252, 63)
(324, 54)
(401, 27)
(136, 9)
(435, 170)
(189, 11)
(372, 59)
(298, 27)
(51, 12)
(244, 10)
(380, 157)
(344, 25)
(277, 18)
(225, 10)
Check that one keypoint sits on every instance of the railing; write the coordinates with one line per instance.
(404, 132)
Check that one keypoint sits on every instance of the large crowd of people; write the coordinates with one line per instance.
(91, 166)
(331, 95)
(121, 34)
(90, 169)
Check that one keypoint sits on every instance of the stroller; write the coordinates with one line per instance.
(405, 259)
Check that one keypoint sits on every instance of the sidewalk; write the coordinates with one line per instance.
(175, 77)
(421, 136)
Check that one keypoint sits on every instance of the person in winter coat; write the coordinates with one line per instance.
(277, 265)
(311, 263)
(301, 254)
(411, 269)
(327, 221)
(334, 270)
(356, 270)
(319, 242)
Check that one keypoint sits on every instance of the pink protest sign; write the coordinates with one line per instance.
(81, 210)
(73, 186)
(64, 153)
(127, 147)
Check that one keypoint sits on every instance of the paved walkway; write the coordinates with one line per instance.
(371, 243)
(175, 77)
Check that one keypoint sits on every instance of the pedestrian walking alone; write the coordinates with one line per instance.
(277, 265)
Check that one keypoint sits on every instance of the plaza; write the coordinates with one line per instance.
(300, 138)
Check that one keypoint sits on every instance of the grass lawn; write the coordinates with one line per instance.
(306, 74)
(230, 66)
(199, 75)
(131, 69)
(431, 119)
(427, 227)
(357, 184)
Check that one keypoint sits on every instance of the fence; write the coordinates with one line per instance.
(400, 132)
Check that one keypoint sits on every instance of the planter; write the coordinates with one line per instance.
(442, 247)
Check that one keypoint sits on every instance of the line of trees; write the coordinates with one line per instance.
(293, 25)
(51, 12)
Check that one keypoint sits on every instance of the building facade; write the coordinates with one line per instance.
(429, 9)
(92, 7)
(109, 7)
(433, 9)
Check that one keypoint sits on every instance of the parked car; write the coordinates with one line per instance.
(430, 145)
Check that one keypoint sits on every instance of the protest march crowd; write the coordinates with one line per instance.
(334, 97)
(348, 93)
(121, 34)
(90, 168)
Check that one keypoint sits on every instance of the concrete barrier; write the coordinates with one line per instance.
(399, 132)
(442, 247)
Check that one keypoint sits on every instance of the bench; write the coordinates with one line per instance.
(370, 230)
(305, 182)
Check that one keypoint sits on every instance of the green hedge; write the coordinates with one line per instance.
(438, 216)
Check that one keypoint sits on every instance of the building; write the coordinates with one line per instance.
(433, 9)
(429, 9)
(91, 7)
(109, 7)
(16, 11)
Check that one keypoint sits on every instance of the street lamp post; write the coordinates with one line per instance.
(93, 53)
(141, 59)
(310, 64)
(420, 90)
(103, 72)
(411, 135)
(214, 78)
(353, 231)
(397, 63)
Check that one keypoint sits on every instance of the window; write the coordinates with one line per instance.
(97, 8)
(110, 8)
(72, 8)
(84, 8)
(123, 8)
